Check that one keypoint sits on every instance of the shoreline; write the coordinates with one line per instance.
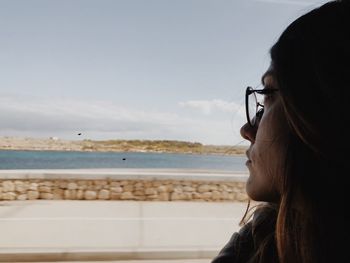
(101, 151)
(119, 146)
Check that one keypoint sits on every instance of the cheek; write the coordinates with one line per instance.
(268, 159)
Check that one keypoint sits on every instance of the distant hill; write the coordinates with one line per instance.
(168, 146)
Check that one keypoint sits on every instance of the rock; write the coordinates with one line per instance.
(117, 189)
(57, 194)
(22, 197)
(103, 194)
(33, 187)
(124, 182)
(47, 183)
(21, 187)
(203, 188)
(170, 188)
(178, 189)
(176, 196)
(213, 187)
(80, 194)
(63, 184)
(139, 198)
(187, 196)
(115, 196)
(151, 191)
(207, 195)
(139, 187)
(8, 186)
(147, 184)
(196, 195)
(231, 196)
(82, 183)
(139, 193)
(9, 196)
(32, 195)
(162, 189)
(128, 188)
(100, 183)
(127, 196)
(188, 189)
(156, 183)
(216, 195)
(70, 194)
(186, 183)
(152, 197)
(241, 197)
(90, 195)
(224, 195)
(72, 186)
(97, 188)
(223, 187)
(44, 189)
(114, 184)
(164, 196)
(46, 196)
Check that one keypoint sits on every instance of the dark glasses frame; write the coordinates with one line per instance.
(259, 112)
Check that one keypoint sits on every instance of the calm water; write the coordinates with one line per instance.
(73, 160)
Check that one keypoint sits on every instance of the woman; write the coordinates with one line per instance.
(299, 146)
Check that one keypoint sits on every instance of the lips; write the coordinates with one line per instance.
(249, 161)
(248, 155)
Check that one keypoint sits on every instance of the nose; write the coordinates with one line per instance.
(248, 132)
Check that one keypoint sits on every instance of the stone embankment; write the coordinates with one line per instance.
(142, 188)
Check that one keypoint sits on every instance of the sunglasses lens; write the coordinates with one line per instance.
(259, 114)
(252, 108)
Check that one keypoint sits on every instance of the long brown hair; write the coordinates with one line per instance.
(311, 61)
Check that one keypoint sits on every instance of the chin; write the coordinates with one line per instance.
(261, 195)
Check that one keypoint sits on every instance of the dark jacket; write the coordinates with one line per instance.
(255, 240)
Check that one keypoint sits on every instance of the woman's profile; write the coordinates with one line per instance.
(296, 126)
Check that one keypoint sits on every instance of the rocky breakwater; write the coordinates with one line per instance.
(138, 190)
(76, 187)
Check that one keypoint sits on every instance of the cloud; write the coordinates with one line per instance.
(289, 2)
(71, 115)
(209, 106)
(64, 118)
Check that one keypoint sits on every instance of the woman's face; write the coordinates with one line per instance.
(266, 154)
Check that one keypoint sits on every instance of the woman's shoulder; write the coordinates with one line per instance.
(244, 244)
(264, 220)
(239, 248)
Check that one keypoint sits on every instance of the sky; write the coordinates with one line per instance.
(135, 69)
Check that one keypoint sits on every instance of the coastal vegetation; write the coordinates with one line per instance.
(167, 146)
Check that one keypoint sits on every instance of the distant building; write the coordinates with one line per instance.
(54, 138)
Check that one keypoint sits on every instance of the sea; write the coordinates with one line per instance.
(14, 159)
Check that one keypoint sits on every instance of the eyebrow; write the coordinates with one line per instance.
(269, 72)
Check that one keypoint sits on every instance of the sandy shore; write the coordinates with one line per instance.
(21, 143)
(159, 146)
